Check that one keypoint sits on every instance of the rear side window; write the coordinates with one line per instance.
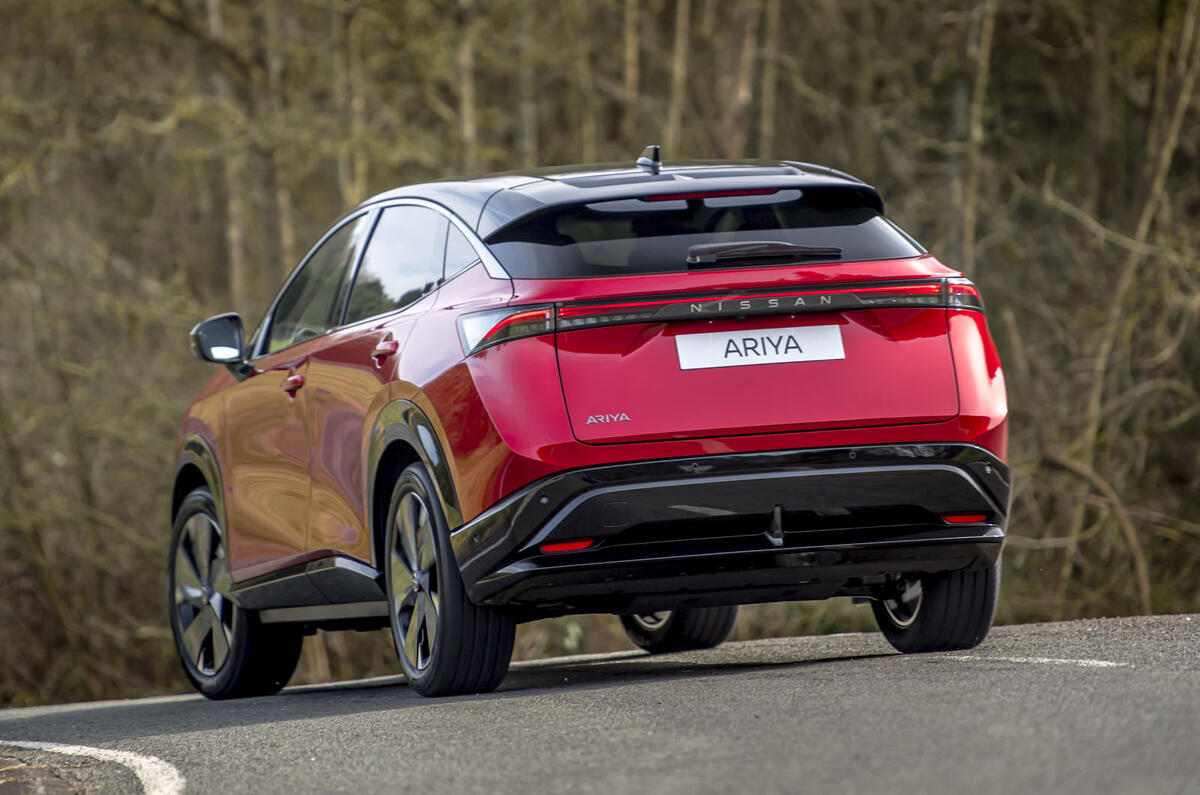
(637, 236)
(460, 254)
(403, 262)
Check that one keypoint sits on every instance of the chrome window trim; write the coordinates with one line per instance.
(470, 237)
(490, 263)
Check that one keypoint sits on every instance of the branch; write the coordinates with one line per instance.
(1126, 524)
(1093, 224)
(174, 16)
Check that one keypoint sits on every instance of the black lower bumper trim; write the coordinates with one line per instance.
(798, 524)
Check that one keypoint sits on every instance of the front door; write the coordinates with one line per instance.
(268, 460)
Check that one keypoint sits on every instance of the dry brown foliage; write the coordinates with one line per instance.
(161, 160)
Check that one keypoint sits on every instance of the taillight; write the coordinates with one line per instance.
(962, 294)
(480, 330)
(939, 293)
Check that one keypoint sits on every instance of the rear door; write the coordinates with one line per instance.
(820, 336)
(348, 375)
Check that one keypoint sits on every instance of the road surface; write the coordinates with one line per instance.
(1098, 706)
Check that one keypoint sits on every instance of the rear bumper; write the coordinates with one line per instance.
(728, 529)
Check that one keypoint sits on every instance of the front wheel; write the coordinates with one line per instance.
(447, 644)
(225, 651)
(680, 630)
(939, 612)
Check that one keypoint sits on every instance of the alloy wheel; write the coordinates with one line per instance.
(903, 608)
(204, 609)
(414, 581)
(652, 622)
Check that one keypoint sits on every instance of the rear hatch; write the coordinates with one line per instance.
(799, 311)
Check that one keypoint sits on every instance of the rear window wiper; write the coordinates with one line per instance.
(705, 253)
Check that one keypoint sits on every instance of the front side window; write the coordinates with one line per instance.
(311, 303)
(403, 261)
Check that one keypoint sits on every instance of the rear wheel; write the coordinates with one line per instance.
(225, 651)
(447, 644)
(680, 630)
(939, 612)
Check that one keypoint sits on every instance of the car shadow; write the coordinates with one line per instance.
(114, 722)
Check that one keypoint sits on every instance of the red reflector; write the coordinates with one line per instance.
(964, 518)
(710, 194)
(567, 546)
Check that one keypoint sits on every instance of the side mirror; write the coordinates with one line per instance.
(220, 339)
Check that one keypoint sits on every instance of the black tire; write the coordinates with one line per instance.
(681, 630)
(225, 651)
(471, 646)
(954, 610)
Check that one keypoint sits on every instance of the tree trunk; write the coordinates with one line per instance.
(466, 81)
(734, 121)
(232, 166)
(983, 57)
(348, 86)
(770, 55)
(679, 67)
(632, 67)
(526, 90)
(585, 85)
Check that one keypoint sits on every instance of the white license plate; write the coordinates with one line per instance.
(759, 346)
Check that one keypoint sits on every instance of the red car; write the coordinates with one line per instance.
(654, 391)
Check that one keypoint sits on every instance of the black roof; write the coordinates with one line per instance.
(490, 202)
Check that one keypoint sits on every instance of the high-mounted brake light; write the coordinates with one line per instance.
(710, 194)
(480, 330)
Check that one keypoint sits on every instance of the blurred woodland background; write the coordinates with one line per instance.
(163, 160)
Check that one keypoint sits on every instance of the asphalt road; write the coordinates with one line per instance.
(1100, 706)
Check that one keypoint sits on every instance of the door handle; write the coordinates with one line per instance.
(292, 383)
(384, 349)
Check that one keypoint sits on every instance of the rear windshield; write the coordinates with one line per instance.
(636, 236)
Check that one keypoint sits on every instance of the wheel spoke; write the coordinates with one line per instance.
(195, 635)
(904, 607)
(431, 619)
(187, 579)
(411, 637)
(406, 603)
(219, 576)
(201, 533)
(408, 528)
(220, 642)
(217, 600)
(428, 555)
(402, 578)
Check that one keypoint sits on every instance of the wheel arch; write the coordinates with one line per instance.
(197, 466)
(402, 435)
